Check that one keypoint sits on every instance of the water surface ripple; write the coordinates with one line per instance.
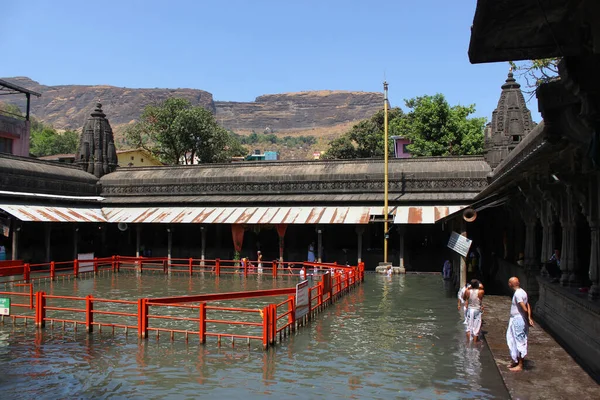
(390, 338)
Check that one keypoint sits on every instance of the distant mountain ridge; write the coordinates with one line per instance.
(68, 106)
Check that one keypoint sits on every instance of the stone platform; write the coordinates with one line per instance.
(550, 372)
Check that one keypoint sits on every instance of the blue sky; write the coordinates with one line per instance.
(238, 50)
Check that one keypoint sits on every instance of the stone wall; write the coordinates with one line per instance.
(574, 322)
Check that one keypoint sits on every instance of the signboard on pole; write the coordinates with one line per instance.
(84, 264)
(459, 244)
(4, 306)
(301, 299)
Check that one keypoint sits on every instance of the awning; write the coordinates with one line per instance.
(423, 214)
(242, 215)
(229, 215)
(32, 213)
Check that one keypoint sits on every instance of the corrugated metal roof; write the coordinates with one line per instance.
(241, 215)
(32, 213)
(229, 215)
(424, 214)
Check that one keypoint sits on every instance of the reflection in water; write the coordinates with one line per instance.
(390, 338)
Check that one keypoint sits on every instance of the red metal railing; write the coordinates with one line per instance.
(197, 315)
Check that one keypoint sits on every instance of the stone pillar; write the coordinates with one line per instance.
(594, 292)
(203, 249)
(75, 241)
(320, 245)
(547, 220)
(15, 241)
(590, 205)
(360, 230)
(138, 232)
(47, 235)
(568, 253)
(401, 231)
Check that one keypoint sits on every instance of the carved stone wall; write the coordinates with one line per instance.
(307, 187)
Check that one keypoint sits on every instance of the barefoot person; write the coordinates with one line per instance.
(460, 305)
(518, 325)
(474, 304)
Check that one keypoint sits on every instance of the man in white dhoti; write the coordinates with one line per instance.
(474, 303)
(461, 304)
(518, 325)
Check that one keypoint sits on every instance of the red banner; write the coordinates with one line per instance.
(237, 233)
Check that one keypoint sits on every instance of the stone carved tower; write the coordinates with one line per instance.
(97, 154)
(511, 121)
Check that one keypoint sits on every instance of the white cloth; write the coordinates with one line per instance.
(389, 272)
(518, 326)
(519, 296)
(474, 321)
(516, 337)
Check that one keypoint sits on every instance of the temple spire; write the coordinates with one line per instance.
(511, 122)
(97, 154)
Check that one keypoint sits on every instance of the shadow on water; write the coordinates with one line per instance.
(398, 337)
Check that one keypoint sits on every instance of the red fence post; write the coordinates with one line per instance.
(265, 316)
(274, 269)
(320, 288)
(118, 263)
(292, 311)
(95, 265)
(40, 309)
(245, 265)
(165, 266)
(113, 263)
(202, 324)
(76, 268)
(89, 313)
(191, 265)
(218, 267)
(143, 318)
(52, 270)
(30, 296)
(309, 303)
(273, 323)
(26, 273)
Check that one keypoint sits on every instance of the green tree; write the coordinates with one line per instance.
(366, 138)
(437, 129)
(45, 141)
(177, 132)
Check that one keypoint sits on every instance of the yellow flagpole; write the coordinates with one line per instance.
(385, 173)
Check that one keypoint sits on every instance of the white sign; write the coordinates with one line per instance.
(301, 299)
(459, 244)
(84, 265)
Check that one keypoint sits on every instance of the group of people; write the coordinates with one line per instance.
(470, 302)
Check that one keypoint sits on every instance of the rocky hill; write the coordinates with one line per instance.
(298, 111)
(68, 106)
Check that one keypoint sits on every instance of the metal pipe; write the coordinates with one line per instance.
(385, 172)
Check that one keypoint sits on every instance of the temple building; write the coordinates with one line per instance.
(97, 154)
(511, 121)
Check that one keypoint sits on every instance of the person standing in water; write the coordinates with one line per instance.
(474, 303)
(259, 262)
(461, 306)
